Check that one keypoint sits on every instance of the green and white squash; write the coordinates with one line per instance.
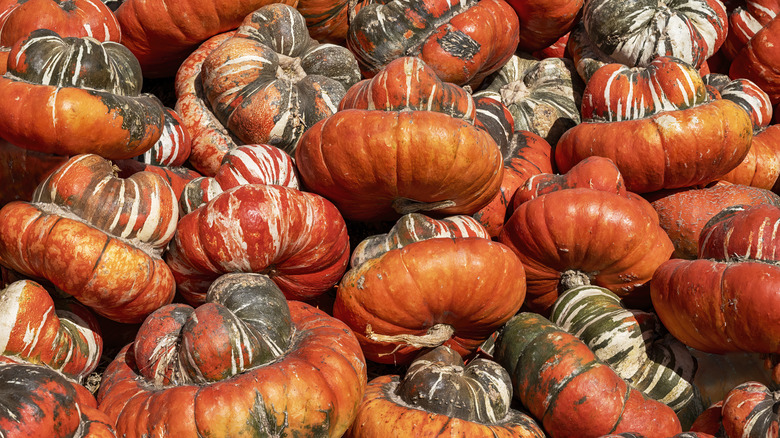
(635, 344)
(544, 97)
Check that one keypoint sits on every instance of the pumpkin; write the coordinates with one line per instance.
(761, 165)
(620, 251)
(678, 138)
(442, 396)
(96, 237)
(63, 335)
(23, 171)
(247, 164)
(717, 302)
(569, 390)
(635, 33)
(634, 344)
(414, 227)
(462, 42)
(174, 145)
(683, 213)
(544, 96)
(298, 238)
(71, 95)
(639, 435)
(210, 139)
(270, 80)
(438, 158)
(744, 21)
(176, 177)
(749, 409)
(525, 155)
(757, 59)
(247, 362)
(328, 20)
(543, 22)
(162, 33)
(438, 291)
(77, 18)
(38, 401)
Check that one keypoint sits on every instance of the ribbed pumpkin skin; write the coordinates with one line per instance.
(97, 110)
(161, 33)
(563, 384)
(271, 81)
(210, 139)
(637, 32)
(313, 389)
(439, 396)
(544, 97)
(634, 344)
(668, 149)
(462, 42)
(115, 279)
(77, 18)
(744, 21)
(297, 238)
(738, 251)
(414, 227)
(141, 208)
(758, 60)
(620, 251)
(174, 145)
(750, 409)
(473, 285)
(247, 164)
(378, 165)
(67, 337)
(38, 401)
(682, 214)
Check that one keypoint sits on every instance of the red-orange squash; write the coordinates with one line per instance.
(440, 291)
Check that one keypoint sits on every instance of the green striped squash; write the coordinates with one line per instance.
(635, 344)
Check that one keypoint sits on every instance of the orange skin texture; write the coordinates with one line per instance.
(472, 284)
(761, 166)
(162, 33)
(758, 60)
(74, 353)
(70, 121)
(364, 161)
(210, 140)
(115, 279)
(718, 307)
(383, 414)
(322, 374)
(741, 407)
(543, 22)
(620, 250)
(668, 150)
(683, 214)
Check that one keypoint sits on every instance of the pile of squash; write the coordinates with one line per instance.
(390, 218)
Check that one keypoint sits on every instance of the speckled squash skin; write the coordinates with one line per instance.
(80, 96)
(245, 347)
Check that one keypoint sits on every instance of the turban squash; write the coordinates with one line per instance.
(450, 291)
(245, 363)
(462, 41)
(61, 335)
(749, 409)
(678, 138)
(297, 238)
(562, 383)
(392, 150)
(718, 302)
(68, 95)
(96, 237)
(442, 396)
(38, 401)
